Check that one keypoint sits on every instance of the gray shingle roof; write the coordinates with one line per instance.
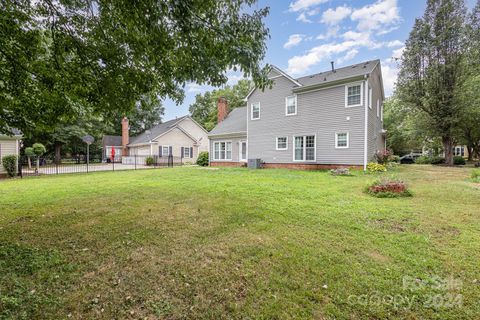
(235, 122)
(339, 74)
(155, 131)
(111, 140)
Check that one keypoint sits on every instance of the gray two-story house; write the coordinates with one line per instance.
(324, 120)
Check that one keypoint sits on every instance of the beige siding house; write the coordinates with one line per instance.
(9, 145)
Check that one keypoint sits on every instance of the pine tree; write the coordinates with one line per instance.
(431, 68)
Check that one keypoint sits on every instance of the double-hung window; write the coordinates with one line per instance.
(370, 98)
(378, 108)
(222, 150)
(255, 110)
(186, 152)
(353, 95)
(282, 143)
(165, 150)
(304, 148)
(291, 105)
(341, 140)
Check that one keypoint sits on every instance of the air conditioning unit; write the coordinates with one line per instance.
(254, 163)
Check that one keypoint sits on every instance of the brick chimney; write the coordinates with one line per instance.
(221, 109)
(125, 136)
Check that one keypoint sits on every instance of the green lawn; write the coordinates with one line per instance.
(231, 243)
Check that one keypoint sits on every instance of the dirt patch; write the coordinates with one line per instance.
(378, 257)
(395, 226)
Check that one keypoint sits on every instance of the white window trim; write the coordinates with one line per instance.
(305, 148)
(336, 140)
(378, 108)
(286, 105)
(361, 94)
(240, 151)
(251, 111)
(276, 143)
(168, 148)
(190, 156)
(381, 111)
(231, 154)
(370, 98)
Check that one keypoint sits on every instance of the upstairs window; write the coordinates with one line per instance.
(255, 110)
(370, 98)
(353, 95)
(282, 143)
(341, 140)
(378, 108)
(291, 105)
(304, 148)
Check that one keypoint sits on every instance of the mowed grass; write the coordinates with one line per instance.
(194, 243)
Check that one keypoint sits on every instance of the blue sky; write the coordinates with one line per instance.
(307, 34)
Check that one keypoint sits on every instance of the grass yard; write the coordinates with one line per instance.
(231, 243)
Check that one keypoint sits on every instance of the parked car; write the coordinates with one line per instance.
(409, 158)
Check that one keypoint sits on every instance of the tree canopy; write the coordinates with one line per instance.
(60, 60)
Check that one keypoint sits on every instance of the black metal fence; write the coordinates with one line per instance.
(44, 165)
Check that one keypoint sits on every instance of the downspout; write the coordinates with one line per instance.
(365, 143)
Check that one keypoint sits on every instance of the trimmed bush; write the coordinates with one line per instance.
(149, 161)
(340, 172)
(10, 164)
(476, 175)
(437, 160)
(202, 159)
(388, 188)
(39, 149)
(459, 161)
(430, 160)
(373, 167)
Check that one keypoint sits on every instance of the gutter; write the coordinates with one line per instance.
(327, 84)
(365, 144)
(228, 135)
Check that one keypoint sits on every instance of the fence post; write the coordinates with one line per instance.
(113, 163)
(56, 167)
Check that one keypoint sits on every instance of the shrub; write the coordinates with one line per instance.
(149, 161)
(373, 167)
(202, 159)
(459, 161)
(340, 172)
(395, 158)
(10, 164)
(476, 175)
(437, 160)
(384, 157)
(423, 160)
(388, 188)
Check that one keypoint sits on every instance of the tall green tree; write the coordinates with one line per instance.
(204, 109)
(431, 68)
(59, 58)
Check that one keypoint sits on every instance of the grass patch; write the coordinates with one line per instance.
(236, 243)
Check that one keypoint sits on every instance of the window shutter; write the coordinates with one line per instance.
(182, 152)
(170, 151)
(191, 152)
(160, 150)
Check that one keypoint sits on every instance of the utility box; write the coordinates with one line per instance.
(254, 163)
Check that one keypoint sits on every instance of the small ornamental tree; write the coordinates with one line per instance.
(38, 150)
(29, 153)
(202, 159)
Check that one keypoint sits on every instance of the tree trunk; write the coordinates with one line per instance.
(470, 152)
(38, 165)
(29, 163)
(448, 149)
(58, 152)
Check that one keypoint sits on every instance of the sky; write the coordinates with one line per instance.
(305, 35)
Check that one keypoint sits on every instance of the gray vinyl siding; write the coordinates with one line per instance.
(321, 113)
(235, 147)
(375, 125)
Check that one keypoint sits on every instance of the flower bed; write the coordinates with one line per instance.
(388, 188)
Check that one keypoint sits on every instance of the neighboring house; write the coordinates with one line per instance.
(109, 143)
(182, 137)
(329, 119)
(9, 145)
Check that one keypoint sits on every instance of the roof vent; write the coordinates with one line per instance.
(325, 79)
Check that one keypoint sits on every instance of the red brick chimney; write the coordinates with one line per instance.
(221, 109)
(125, 136)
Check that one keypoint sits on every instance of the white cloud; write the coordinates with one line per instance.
(394, 43)
(349, 56)
(375, 16)
(389, 75)
(333, 17)
(303, 18)
(293, 40)
(195, 88)
(300, 5)
(331, 32)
